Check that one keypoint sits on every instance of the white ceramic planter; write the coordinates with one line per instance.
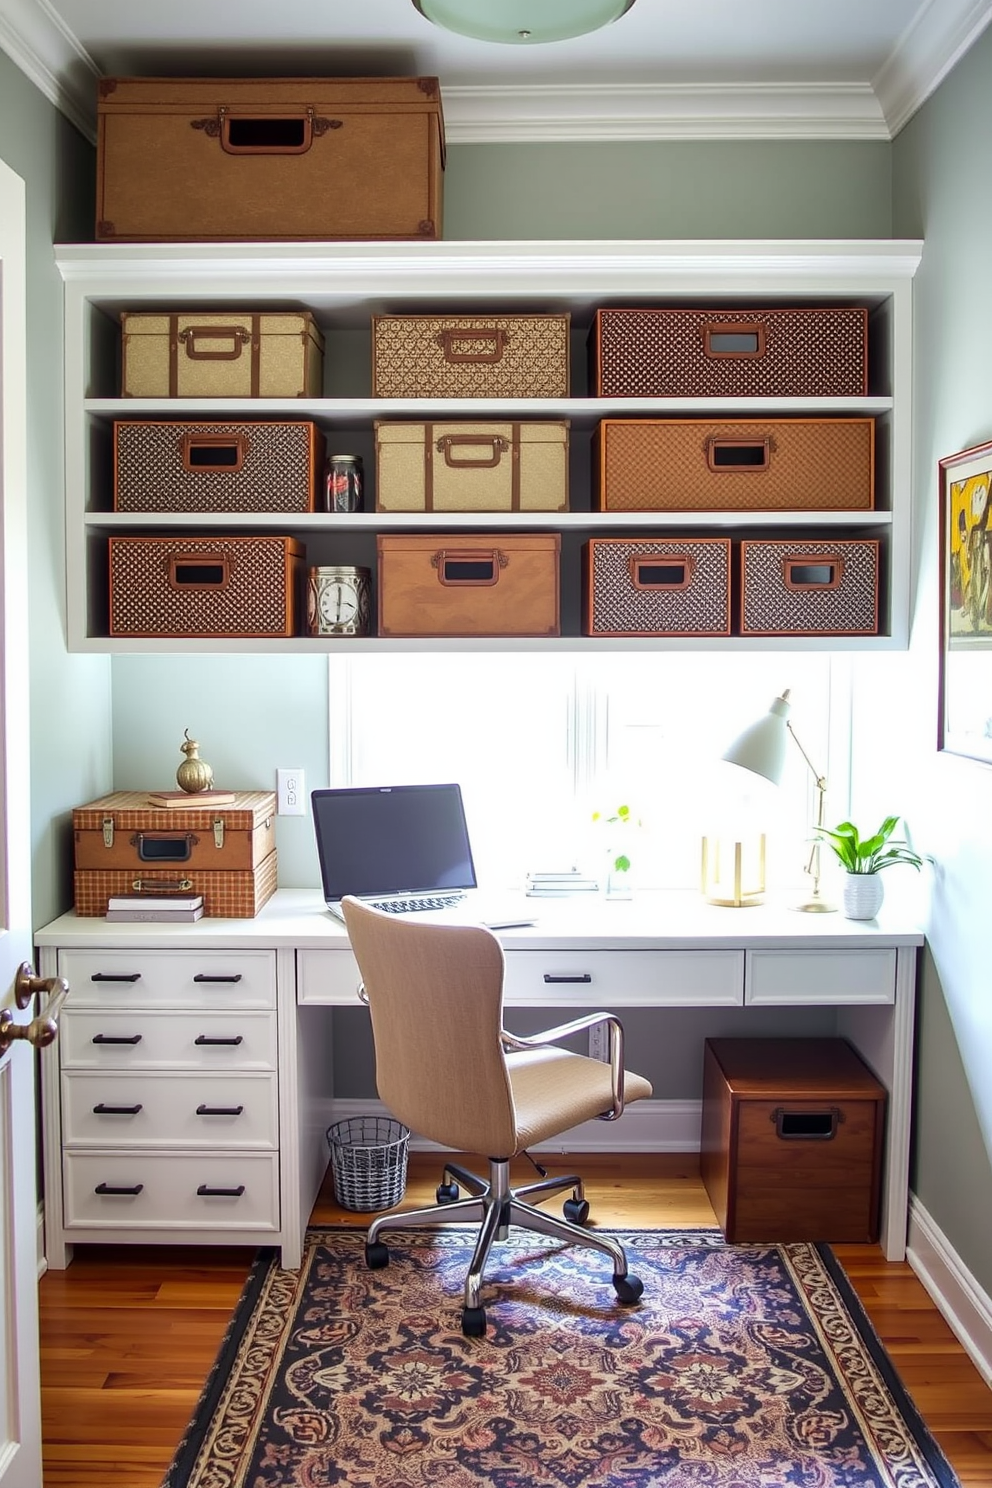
(863, 895)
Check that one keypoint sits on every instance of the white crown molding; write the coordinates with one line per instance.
(42, 46)
(925, 54)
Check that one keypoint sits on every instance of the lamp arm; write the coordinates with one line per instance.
(821, 783)
(813, 864)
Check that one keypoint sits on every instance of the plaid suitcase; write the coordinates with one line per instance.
(470, 356)
(206, 586)
(273, 466)
(125, 830)
(819, 587)
(228, 893)
(656, 586)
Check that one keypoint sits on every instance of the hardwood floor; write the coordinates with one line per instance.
(128, 1334)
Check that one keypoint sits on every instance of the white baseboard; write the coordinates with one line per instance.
(965, 1307)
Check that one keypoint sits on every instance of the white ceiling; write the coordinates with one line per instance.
(854, 69)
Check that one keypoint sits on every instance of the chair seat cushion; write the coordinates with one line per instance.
(554, 1090)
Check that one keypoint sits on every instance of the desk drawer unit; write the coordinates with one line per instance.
(625, 978)
(105, 1109)
(840, 978)
(205, 980)
(129, 1039)
(132, 1191)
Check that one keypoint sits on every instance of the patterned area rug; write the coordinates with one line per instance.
(742, 1367)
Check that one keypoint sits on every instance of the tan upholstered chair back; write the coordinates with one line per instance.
(436, 998)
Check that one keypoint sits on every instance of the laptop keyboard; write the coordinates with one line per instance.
(415, 902)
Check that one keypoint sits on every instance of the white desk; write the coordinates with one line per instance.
(228, 1014)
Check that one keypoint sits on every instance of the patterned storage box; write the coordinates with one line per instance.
(656, 586)
(125, 830)
(206, 586)
(674, 353)
(735, 464)
(819, 587)
(485, 467)
(249, 467)
(229, 893)
(227, 355)
(470, 356)
(469, 584)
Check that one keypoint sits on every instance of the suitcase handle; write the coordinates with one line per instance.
(732, 340)
(186, 571)
(671, 573)
(213, 452)
(164, 847)
(237, 336)
(161, 885)
(446, 340)
(738, 455)
(464, 569)
(497, 447)
(265, 134)
(806, 1126)
(820, 571)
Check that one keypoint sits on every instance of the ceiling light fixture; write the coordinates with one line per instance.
(526, 22)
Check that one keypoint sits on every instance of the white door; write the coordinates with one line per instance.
(20, 1415)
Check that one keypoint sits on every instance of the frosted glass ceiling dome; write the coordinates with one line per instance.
(522, 22)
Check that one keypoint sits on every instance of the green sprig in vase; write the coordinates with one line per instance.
(619, 880)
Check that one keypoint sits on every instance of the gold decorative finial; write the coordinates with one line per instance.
(193, 774)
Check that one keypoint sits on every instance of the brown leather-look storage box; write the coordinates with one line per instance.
(269, 159)
(268, 466)
(126, 830)
(206, 586)
(656, 586)
(791, 1140)
(228, 893)
(227, 354)
(469, 466)
(470, 356)
(826, 586)
(469, 584)
(776, 464)
(781, 353)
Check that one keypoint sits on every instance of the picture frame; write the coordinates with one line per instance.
(965, 669)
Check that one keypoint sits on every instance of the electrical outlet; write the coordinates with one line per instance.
(290, 793)
(599, 1042)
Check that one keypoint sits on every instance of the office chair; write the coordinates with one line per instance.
(448, 1070)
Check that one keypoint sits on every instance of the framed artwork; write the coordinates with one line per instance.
(965, 677)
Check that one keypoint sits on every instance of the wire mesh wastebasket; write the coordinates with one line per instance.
(368, 1161)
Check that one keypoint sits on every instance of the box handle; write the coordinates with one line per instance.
(738, 454)
(164, 847)
(233, 340)
(213, 452)
(806, 1126)
(670, 574)
(265, 134)
(187, 571)
(497, 447)
(447, 339)
(161, 885)
(733, 339)
(819, 571)
(470, 568)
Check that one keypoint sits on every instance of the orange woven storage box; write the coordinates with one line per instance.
(656, 586)
(470, 356)
(206, 586)
(126, 830)
(269, 466)
(469, 584)
(228, 893)
(813, 587)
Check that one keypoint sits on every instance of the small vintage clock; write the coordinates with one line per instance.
(339, 601)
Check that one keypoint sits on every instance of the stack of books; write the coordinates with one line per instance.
(170, 908)
(551, 885)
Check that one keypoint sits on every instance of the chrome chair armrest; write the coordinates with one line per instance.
(590, 1020)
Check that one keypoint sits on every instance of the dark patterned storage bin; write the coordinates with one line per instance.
(656, 586)
(206, 586)
(247, 467)
(809, 588)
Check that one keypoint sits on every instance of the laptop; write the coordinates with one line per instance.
(404, 849)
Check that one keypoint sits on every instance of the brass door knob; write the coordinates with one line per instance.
(43, 1029)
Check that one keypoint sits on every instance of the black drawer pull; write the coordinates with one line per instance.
(206, 1038)
(807, 1126)
(201, 976)
(577, 976)
(206, 1192)
(115, 1038)
(116, 976)
(104, 1110)
(112, 1188)
(219, 1110)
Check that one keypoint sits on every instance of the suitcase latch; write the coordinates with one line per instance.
(219, 832)
(108, 831)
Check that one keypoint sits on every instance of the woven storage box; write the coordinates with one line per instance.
(735, 464)
(229, 355)
(485, 467)
(825, 587)
(264, 159)
(469, 584)
(368, 1162)
(124, 830)
(228, 893)
(815, 353)
(203, 467)
(206, 586)
(470, 356)
(656, 586)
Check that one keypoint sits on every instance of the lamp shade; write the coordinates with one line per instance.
(522, 22)
(761, 747)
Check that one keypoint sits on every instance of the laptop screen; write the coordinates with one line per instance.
(392, 839)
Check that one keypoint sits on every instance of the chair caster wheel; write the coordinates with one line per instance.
(376, 1256)
(474, 1322)
(577, 1210)
(446, 1193)
(628, 1288)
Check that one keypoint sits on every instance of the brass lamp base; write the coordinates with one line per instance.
(733, 873)
(815, 905)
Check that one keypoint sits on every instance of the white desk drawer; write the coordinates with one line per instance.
(186, 1192)
(131, 1038)
(625, 978)
(196, 1110)
(798, 978)
(327, 977)
(170, 978)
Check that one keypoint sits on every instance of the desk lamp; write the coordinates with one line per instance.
(761, 749)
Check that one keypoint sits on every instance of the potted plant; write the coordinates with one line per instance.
(618, 875)
(863, 859)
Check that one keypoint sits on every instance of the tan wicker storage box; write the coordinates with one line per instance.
(673, 353)
(269, 159)
(230, 893)
(226, 355)
(469, 584)
(735, 464)
(202, 467)
(206, 586)
(485, 467)
(470, 356)
(656, 586)
(125, 830)
(825, 587)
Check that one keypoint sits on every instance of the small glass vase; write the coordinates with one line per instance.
(619, 881)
